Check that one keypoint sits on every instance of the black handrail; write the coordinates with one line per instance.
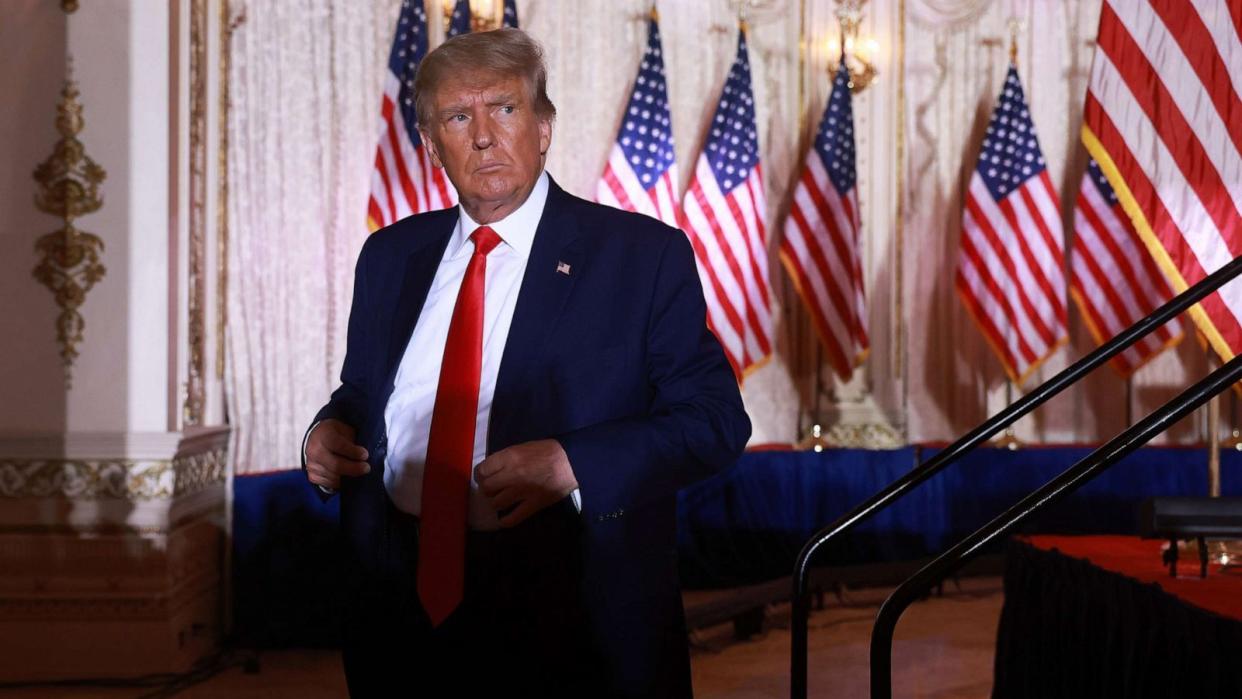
(972, 439)
(1070, 480)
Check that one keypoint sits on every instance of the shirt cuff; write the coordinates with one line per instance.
(323, 488)
(577, 497)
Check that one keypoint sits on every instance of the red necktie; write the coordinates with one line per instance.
(450, 446)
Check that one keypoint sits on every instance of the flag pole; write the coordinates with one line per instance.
(797, 317)
(814, 439)
(1229, 553)
(1213, 420)
(1009, 439)
(1129, 400)
(1235, 436)
(1226, 553)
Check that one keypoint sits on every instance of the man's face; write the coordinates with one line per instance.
(485, 134)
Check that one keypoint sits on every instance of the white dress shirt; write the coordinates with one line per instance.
(408, 413)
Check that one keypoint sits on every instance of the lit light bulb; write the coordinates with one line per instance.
(871, 48)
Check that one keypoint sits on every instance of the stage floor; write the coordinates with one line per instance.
(944, 650)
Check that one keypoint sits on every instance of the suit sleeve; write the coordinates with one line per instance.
(348, 402)
(696, 425)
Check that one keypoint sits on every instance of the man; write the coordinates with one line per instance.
(560, 349)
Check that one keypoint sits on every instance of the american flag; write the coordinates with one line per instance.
(404, 181)
(1010, 271)
(723, 209)
(1163, 119)
(460, 20)
(641, 174)
(821, 249)
(1112, 277)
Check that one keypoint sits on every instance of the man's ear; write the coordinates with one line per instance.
(545, 136)
(432, 151)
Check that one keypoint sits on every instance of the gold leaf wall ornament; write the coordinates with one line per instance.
(196, 303)
(113, 479)
(69, 188)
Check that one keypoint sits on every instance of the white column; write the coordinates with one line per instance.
(112, 511)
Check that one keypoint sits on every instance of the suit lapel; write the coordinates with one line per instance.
(556, 261)
(420, 270)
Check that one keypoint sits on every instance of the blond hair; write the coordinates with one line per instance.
(502, 52)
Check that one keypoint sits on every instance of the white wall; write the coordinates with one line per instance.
(120, 55)
(32, 53)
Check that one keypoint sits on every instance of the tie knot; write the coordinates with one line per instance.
(485, 240)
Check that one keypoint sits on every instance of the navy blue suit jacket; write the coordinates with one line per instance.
(615, 361)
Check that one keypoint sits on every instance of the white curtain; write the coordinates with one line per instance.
(305, 81)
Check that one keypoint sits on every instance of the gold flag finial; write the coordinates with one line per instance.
(1015, 25)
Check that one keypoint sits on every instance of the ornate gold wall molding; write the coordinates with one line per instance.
(227, 25)
(863, 436)
(69, 188)
(899, 227)
(195, 389)
(147, 479)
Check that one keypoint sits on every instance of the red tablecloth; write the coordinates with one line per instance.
(1220, 592)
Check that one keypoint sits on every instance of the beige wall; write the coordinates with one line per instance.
(120, 55)
(32, 53)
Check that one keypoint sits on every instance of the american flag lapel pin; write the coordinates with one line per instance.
(563, 268)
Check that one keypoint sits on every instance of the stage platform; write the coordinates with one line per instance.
(741, 528)
(1099, 616)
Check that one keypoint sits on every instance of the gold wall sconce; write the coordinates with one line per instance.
(859, 51)
(485, 15)
(69, 188)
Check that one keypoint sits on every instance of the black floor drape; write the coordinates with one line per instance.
(1072, 629)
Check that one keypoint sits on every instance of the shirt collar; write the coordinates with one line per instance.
(517, 230)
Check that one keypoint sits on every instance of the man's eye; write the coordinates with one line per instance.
(458, 117)
(508, 109)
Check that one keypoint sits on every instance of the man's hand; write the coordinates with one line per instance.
(331, 453)
(525, 477)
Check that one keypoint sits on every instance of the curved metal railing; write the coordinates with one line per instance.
(1070, 480)
(971, 440)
